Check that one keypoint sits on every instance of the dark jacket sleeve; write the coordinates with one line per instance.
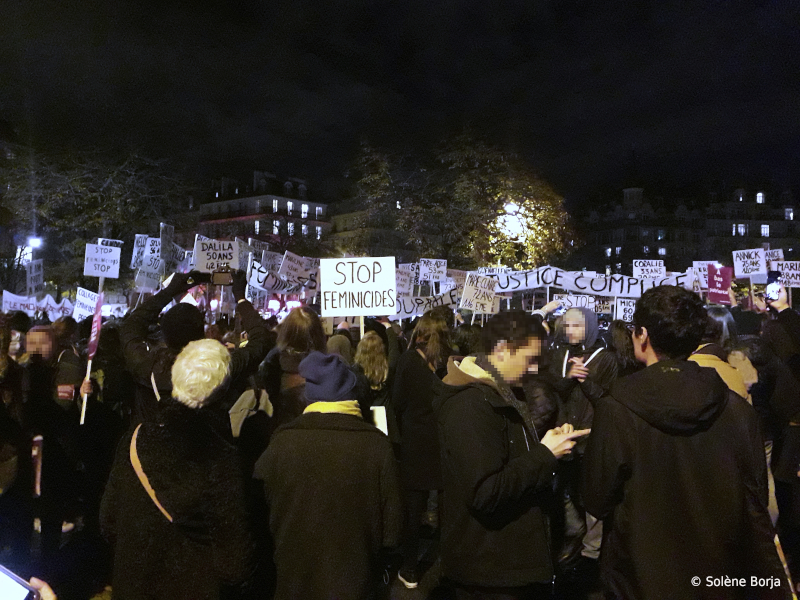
(474, 448)
(133, 336)
(607, 459)
(229, 521)
(245, 361)
(603, 374)
(391, 499)
(790, 321)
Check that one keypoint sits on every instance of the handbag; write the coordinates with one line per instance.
(137, 466)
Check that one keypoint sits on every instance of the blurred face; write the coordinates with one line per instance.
(40, 342)
(574, 326)
(511, 364)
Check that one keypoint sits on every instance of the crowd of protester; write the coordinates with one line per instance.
(534, 457)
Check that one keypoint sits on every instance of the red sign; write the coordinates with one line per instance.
(97, 322)
(719, 283)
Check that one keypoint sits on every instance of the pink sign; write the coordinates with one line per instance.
(719, 282)
(97, 323)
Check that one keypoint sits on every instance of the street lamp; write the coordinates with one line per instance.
(35, 242)
(511, 222)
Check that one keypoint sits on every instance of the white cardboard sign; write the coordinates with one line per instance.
(271, 261)
(139, 247)
(478, 294)
(167, 235)
(790, 271)
(701, 266)
(776, 254)
(747, 263)
(34, 271)
(212, 255)
(294, 267)
(358, 286)
(402, 279)
(432, 269)
(101, 261)
(625, 309)
(85, 302)
(649, 269)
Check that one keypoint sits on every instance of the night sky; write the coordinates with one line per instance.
(595, 94)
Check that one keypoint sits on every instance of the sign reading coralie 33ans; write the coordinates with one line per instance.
(621, 286)
(358, 286)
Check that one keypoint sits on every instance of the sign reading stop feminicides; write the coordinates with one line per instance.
(358, 286)
(101, 261)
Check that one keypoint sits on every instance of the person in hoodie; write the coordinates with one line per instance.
(581, 370)
(497, 474)
(675, 467)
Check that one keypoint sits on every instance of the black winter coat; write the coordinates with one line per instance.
(330, 482)
(196, 475)
(675, 467)
(412, 397)
(497, 482)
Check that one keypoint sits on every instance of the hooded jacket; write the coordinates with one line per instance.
(714, 356)
(497, 480)
(675, 467)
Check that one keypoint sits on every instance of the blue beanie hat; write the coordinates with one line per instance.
(327, 378)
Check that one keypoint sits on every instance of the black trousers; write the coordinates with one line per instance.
(416, 502)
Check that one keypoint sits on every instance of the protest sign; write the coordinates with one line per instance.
(271, 282)
(408, 307)
(258, 245)
(493, 270)
(614, 285)
(402, 279)
(789, 270)
(173, 258)
(34, 272)
(245, 250)
(455, 279)
(213, 255)
(493, 309)
(649, 269)
(101, 261)
(271, 261)
(358, 286)
(110, 242)
(701, 266)
(603, 306)
(747, 263)
(85, 303)
(719, 283)
(166, 235)
(478, 294)
(575, 301)
(624, 309)
(431, 269)
(186, 264)
(146, 280)
(294, 268)
(413, 268)
(30, 305)
(776, 254)
(139, 247)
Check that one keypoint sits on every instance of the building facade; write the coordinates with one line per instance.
(681, 232)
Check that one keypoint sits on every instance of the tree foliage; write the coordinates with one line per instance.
(71, 199)
(471, 203)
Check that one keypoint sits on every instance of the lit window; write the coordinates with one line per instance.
(661, 234)
(304, 211)
(618, 250)
(662, 251)
(276, 227)
(289, 207)
(741, 197)
(760, 198)
(742, 228)
(305, 229)
(789, 213)
(619, 267)
(608, 270)
(274, 205)
(398, 205)
(217, 195)
(646, 249)
(608, 251)
(237, 191)
(764, 230)
(733, 229)
(319, 211)
(290, 227)
(319, 232)
(258, 226)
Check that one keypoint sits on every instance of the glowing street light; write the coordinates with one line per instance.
(35, 242)
(511, 222)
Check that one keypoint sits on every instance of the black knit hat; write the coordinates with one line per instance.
(327, 378)
(181, 324)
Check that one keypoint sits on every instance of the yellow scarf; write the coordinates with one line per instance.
(344, 407)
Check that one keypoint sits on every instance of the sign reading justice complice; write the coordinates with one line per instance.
(358, 286)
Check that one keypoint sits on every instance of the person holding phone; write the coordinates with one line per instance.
(497, 474)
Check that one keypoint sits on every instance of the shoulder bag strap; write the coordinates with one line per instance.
(137, 466)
